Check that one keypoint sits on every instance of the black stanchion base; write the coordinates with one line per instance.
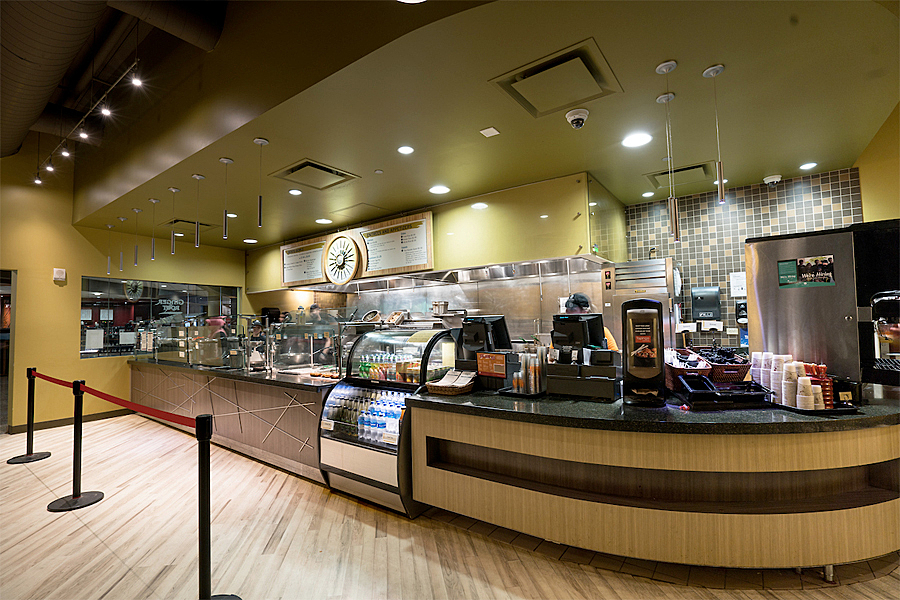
(67, 503)
(226, 597)
(28, 458)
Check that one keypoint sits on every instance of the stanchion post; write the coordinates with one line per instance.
(203, 427)
(77, 499)
(30, 455)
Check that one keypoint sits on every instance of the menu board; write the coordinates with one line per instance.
(400, 246)
(302, 263)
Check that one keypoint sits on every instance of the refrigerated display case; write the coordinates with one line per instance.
(363, 436)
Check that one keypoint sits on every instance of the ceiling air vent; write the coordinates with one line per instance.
(683, 175)
(187, 227)
(314, 174)
(565, 79)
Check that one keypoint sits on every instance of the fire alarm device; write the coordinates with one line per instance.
(59, 274)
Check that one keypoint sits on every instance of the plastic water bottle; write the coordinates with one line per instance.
(367, 426)
(382, 426)
(361, 426)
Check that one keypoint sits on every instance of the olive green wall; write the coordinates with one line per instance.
(510, 229)
(36, 236)
(879, 172)
(607, 218)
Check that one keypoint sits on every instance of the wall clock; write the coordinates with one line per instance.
(341, 260)
(133, 289)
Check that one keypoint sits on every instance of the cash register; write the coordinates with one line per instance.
(583, 365)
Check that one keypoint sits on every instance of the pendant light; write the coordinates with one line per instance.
(260, 142)
(121, 250)
(711, 73)
(198, 177)
(174, 191)
(671, 202)
(137, 211)
(37, 170)
(153, 201)
(109, 227)
(225, 161)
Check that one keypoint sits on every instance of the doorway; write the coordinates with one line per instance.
(6, 311)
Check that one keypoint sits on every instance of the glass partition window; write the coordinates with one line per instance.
(121, 316)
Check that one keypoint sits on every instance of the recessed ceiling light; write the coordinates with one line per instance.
(636, 139)
(439, 189)
(98, 293)
(232, 216)
(489, 132)
(544, 216)
(479, 206)
(163, 285)
(647, 194)
(405, 150)
(294, 192)
(716, 182)
(177, 234)
(378, 171)
(592, 204)
(410, 1)
(449, 233)
(249, 241)
(323, 221)
(808, 166)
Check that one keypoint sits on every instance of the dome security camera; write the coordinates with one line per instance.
(577, 117)
(771, 180)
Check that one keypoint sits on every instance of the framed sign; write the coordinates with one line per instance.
(301, 263)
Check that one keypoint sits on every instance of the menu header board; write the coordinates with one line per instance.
(402, 245)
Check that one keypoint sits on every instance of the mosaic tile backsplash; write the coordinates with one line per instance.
(712, 235)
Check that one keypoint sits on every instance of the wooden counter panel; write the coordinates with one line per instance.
(679, 452)
(273, 424)
(723, 540)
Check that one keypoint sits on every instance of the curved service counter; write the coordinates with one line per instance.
(760, 488)
(270, 417)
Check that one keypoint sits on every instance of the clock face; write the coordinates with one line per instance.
(341, 260)
(133, 290)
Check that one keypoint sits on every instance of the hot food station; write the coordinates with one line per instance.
(563, 398)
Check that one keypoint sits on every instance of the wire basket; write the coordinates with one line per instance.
(672, 373)
(446, 390)
(728, 373)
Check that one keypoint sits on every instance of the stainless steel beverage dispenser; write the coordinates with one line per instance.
(810, 295)
(656, 279)
(643, 352)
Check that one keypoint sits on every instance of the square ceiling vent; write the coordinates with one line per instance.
(314, 174)
(683, 175)
(563, 80)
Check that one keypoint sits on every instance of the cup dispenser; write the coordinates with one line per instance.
(644, 378)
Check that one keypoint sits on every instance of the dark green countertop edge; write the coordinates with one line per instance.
(278, 380)
(567, 412)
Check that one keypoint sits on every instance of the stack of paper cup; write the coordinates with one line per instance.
(789, 385)
(775, 381)
(805, 397)
(818, 398)
(755, 365)
(801, 368)
(765, 373)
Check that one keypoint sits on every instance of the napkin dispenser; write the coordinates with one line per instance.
(705, 304)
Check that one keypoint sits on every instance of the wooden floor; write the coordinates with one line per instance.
(275, 535)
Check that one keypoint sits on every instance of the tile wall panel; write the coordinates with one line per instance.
(712, 241)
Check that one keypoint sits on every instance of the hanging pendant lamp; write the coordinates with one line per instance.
(137, 211)
(174, 191)
(260, 142)
(711, 73)
(225, 161)
(109, 227)
(198, 177)
(153, 201)
(121, 250)
(672, 201)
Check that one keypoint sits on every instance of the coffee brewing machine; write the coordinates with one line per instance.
(829, 297)
(644, 377)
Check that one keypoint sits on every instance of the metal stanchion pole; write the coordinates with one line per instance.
(203, 427)
(77, 499)
(30, 455)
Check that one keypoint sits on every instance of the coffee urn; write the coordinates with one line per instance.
(644, 378)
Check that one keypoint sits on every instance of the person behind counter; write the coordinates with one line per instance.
(322, 348)
(579, 303)
(256, 331)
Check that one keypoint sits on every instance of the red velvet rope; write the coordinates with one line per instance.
(153, 412)
(67, 384)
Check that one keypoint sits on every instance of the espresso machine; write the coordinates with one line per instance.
(829, 297)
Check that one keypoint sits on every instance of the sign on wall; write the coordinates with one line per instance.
(402, 245)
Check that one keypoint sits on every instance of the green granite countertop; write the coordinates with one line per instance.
(276, 379)
(567, 412)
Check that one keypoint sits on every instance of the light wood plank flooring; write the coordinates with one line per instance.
(275, 535)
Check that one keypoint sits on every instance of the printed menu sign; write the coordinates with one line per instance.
(398, 246)
(810, 271)
(302, 263)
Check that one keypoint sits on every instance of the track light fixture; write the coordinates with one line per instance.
(137, 212)
(198, 177)
(65, 150)
(711, 73)
(665, 68)
(49, 165)
(109, 227)
(121, 251)
(174, 191)
(37, 179)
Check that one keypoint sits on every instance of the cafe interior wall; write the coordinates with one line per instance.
(712, 235)
(36, 236)
(879, 172)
